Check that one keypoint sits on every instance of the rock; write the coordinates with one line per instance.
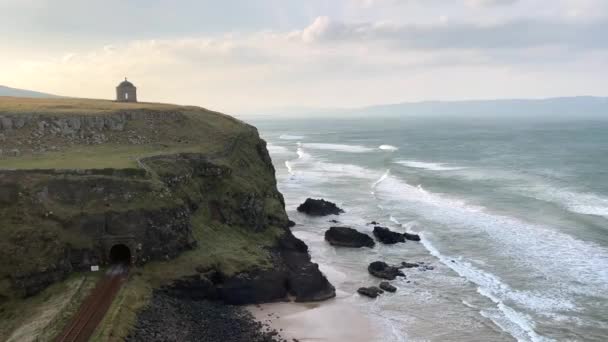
(412, 237)
(371, 291)
(334, 221)
(304, 279)
(382, 270)
(167, 318)
(319, 207)
(387, 236)
(373, 223)
(408, 265)
(386, 286)
(348, 237)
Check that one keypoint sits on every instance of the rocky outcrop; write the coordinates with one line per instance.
(168, 318)
(411, 237)
(348, 237)
(292, 274)
(382, 270)
(371, 292)
(387, 236)
(319, 207)
(386, 286)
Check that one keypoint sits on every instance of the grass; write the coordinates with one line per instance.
(67, 106)
(230, 248)
(41, 317)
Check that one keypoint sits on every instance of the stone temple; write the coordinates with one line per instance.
(126, 92)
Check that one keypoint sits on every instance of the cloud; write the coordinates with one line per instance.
(331, 63)
(510, 34)
(489, 3)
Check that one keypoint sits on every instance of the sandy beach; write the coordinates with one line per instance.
(330, 321)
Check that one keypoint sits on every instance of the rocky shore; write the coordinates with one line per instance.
(168, 319)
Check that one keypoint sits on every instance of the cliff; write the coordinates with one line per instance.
(189, 193)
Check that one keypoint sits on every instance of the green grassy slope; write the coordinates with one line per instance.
(38, 207)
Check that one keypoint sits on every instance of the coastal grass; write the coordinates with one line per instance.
(41, 317)
(69, 106)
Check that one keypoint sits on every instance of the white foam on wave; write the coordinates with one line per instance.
(289, 168)
(291, 137)
(338, 147)
(388, 148)
(302, 155)
(428, 165)
(513, 322)
(577, 202)
(277, 150)
(381, 179)
(532, 243)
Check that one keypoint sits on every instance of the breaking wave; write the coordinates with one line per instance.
(428, 165)
(338, 147)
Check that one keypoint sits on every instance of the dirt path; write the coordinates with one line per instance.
(93, 309)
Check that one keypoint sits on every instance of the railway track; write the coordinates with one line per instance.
(94, 308)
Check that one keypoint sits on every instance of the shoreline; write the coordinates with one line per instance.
(333, 320)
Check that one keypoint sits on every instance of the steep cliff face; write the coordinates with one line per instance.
(190, 192)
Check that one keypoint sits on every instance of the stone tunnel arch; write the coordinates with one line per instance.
(120, 254)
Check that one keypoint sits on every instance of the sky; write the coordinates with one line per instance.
(255, 55)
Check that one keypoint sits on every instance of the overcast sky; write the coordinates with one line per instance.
(248, 55)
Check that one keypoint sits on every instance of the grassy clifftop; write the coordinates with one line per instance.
(189, 189)
(80, 133)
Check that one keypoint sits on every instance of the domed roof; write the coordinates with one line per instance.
(126, 83)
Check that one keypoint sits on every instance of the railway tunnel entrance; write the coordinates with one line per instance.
(120, 254)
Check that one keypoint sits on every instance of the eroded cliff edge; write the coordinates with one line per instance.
(191, 193)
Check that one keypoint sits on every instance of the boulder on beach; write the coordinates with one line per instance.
(387, 236)
(382, 270)
(386, 286)
(319, 207)
(408, 265)
(412, 237)
(348, 237)
(371, 291)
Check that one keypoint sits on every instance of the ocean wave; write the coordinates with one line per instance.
(338, 147)
(388, 148)
(289, 168)
(428, 165)
(291, 137)
(577, 202)
(533, 244)
(276, 149)
(517, 324)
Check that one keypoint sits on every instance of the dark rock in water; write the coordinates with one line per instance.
(348, 237)
(291, 224)
(304, 279)
(386, 286)
(412, 237)
(382, 270)
(333, 221)
(373, 223)
(387, 236)
(408, 265)
(426, 268)
(319, 207)
(371, 291)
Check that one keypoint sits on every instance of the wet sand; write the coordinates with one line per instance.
(329, 321)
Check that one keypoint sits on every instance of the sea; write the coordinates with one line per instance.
(512, 212)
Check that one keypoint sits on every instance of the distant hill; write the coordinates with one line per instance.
(580, 106)
(7, 91)
(559, 107)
